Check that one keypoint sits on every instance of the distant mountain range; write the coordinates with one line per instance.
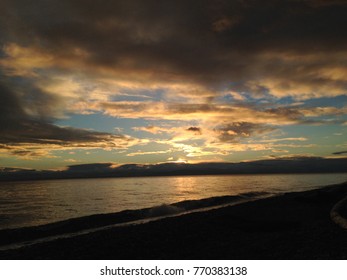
(104, 170)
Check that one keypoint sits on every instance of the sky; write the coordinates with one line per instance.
(151, 82)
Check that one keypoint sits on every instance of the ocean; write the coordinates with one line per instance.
(33, 203)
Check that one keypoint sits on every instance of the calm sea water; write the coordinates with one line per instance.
(41, 202)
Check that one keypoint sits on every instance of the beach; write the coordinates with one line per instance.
(298, 225)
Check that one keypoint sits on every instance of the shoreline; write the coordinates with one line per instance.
(96, 222)
(289, 226)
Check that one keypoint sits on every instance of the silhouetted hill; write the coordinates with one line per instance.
(100, 170)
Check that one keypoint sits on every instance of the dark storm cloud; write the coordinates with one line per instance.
(211, 42)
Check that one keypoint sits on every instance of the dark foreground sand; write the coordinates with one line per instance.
(292, 226)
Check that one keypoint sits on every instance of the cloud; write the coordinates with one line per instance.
(282, 48)
(233, 132)
(195, 130)
(324, 111)
(241, 112)
(285, 139)
(170, 130)
(205, 63)
(153, 129)
(340, 153)
(142, 153)
(30, 134)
